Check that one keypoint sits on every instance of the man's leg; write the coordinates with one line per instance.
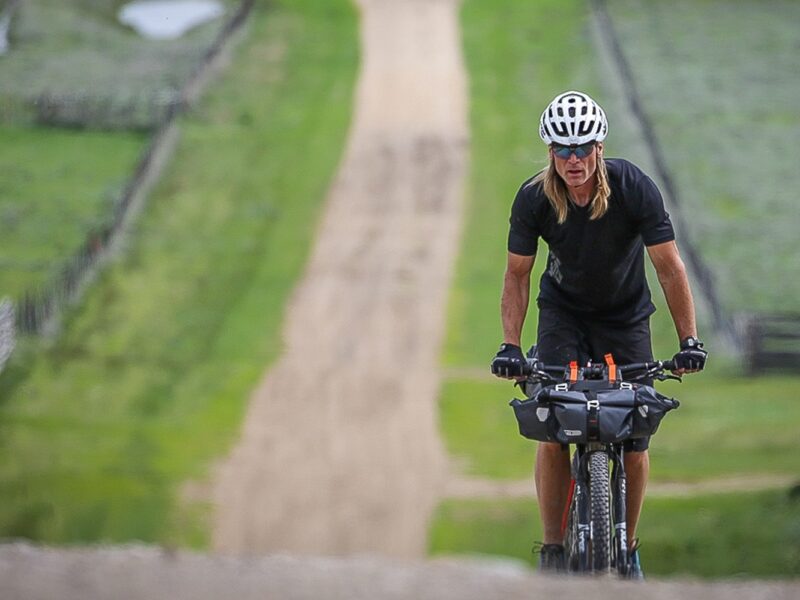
(552, 487)
(637, 468)
(559, 341)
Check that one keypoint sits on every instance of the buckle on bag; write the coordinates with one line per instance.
(612, 368)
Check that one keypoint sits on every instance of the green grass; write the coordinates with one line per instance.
(713, 78)
(480, 430)
(748, 535)
(494, 527)
(55, 187)
(148, 382)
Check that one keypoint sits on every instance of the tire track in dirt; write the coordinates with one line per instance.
(340, 450)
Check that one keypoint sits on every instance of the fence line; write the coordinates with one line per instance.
(772, 343)
(143, 111)
(38, 309)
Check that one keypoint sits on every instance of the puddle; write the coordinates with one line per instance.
(168, 19)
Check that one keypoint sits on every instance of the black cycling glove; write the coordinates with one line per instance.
(692, 357)
(509, 361)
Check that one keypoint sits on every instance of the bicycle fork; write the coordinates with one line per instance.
(619, 511)
(577, 510)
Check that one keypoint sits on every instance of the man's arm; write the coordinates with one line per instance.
(516, 295)
(672, 276)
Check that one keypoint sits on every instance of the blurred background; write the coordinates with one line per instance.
(150, 238)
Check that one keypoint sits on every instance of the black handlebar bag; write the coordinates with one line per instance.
(566, 415)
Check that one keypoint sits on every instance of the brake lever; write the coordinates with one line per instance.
(664, 377)
(535, 377)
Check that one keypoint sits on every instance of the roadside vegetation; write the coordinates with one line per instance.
(148, 381)
(520, 54)
(752, 534)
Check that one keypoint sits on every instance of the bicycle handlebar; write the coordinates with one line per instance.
(545, 372)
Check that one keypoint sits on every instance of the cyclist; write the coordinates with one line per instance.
(596, 216)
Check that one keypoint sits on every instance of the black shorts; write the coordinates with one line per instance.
(563, 337)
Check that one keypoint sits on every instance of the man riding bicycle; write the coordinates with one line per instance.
(596, 216)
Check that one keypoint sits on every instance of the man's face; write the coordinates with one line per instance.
(577, 171)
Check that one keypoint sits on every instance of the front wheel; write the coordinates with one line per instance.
(600, 512)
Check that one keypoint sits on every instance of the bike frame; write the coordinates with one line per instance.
(576, 524)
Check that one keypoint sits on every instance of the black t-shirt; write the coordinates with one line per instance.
(595, 268)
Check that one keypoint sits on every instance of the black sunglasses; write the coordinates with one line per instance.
(581, 151)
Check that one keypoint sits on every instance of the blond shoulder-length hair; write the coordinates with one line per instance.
(556, 190)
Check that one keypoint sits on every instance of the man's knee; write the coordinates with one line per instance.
(637, 460)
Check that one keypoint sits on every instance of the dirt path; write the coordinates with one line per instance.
(352, 462)
(145, 573)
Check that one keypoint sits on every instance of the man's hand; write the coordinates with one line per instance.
(509, 362)
(691, 358)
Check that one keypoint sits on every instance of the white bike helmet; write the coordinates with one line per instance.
(573, 118)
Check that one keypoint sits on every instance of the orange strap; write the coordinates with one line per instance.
(573, 371)
(612, 368)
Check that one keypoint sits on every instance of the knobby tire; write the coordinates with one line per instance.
(600, 511)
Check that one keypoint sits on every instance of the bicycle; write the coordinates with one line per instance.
(595, 408)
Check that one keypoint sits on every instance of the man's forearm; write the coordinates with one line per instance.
(679, 300)
(514, 306)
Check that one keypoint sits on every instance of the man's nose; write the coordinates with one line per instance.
(573, 158)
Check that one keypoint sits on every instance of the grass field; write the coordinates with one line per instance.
(743, 535)
(715, 80)
(149, 379)
(55, 187)
(520, 54)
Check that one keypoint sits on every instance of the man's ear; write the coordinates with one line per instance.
(600, 147)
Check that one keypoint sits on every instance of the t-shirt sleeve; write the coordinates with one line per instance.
(653, 220)
(523, 235)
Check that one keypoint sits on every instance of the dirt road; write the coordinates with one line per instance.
(142, 573)
(340, 451)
